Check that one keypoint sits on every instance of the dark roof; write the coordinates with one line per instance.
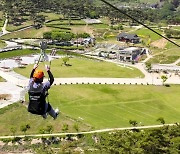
(128, 36)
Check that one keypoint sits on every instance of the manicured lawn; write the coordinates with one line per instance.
(15, 53)
(12, 28)
(2, 80)
(50, 16)
(2, 44)
(82, 67)
(167, 57)
(1, 23)
(105, 21)
(176, 27)
(17, 115)
(99, 106)
(66, 22)
(108, 106)
(149, 1)
(170, 45)
(1, 14)
(97, 26)
(28, 33)
(145, 33)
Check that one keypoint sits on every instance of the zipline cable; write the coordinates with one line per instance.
(138, 22)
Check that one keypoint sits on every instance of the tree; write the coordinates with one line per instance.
(47, 35)
(62, 36)
(82, 35)
(148, 66)
(65, 60)
(161, 120)
(164, 78)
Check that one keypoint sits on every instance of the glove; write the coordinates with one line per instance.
(47, 67)
(35, 66)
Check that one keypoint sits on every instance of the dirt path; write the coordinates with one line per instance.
(89, 132)
(160, 43)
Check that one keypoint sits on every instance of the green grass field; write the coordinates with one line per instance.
(98, 107)
(28, 33)
(2, 80)
(18, 53)
(1, 23)
(2, 44)
(50, 16)
(18, 115)
(12, 28)
(82, 67)
(171, 46)
(1, 14)
(149, 1)
(167, 57)
(66, 22)
(107, 106)
(145, 33)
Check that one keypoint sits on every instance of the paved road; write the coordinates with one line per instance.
(89, 132)
(13, 90)
(4, 28)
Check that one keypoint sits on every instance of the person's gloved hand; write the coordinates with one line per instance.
(35, 66)
(47, 67)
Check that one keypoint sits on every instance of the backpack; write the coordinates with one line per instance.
(37, 100)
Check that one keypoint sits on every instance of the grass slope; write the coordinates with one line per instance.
(107, 106)
(17, 116)
(82, 67)
(168, 56)
(98, 107)
(145, 33)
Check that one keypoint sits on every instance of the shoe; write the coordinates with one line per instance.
(44, 115)
(57, 112)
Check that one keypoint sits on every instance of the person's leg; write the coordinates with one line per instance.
(53, 113)
(46, 110)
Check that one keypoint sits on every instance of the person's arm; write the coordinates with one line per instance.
(33, 70)
(51, 77)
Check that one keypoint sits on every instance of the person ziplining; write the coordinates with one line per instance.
(38, 90)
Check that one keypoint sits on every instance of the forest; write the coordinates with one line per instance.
(17, 10)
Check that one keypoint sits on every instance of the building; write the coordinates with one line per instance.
(84, 41)
(129, 54)
(125, 37)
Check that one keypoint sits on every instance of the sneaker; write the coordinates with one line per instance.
(44, 115)
(57, 112)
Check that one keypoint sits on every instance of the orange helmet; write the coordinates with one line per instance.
(38, 74)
